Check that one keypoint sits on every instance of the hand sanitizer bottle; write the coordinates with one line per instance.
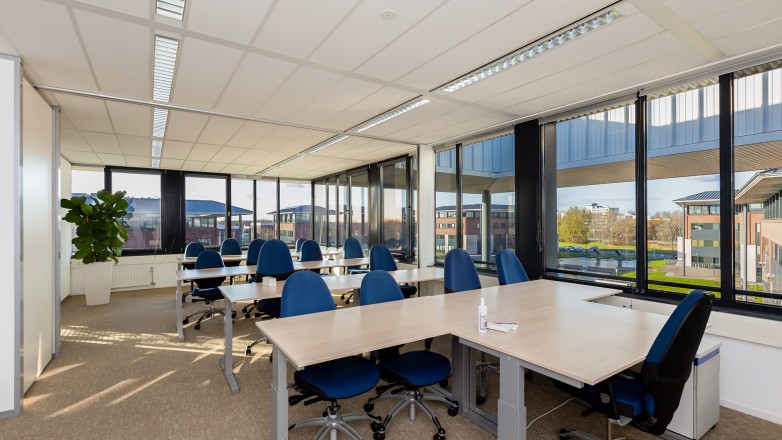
(482, 316)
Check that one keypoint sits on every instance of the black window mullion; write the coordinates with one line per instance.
(276, 218)
(255, 210)
(228, 229)
(459, 227)
(727, 183)
(641, 254)
(409, 207)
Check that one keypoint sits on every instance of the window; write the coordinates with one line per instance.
(321, 216)
(359, 208)
(445, 200)
(295, 207)
(86, 182)
(242, 210)
(395, 208)
(333, 240)
(205, 210)
(266, 205)
(591, 206)
(143, 195)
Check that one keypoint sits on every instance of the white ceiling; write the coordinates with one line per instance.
(333, 65)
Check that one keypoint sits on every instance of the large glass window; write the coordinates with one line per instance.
(242, 210)
(488, 197)
(591, 202)
(266, 204)
(445, 203)
(359, 208)
(333, 240)
(758, 179)
(414, 180)
(86, 182)
(143, 195)
(294, 217)
(205, 210)
(683, 197)
(342, 210)
(394, 189)
(321, 213)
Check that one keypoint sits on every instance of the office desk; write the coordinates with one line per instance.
(255, 291)
(577, 343)
(325, 252)
(181, 261)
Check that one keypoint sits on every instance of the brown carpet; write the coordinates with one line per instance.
(123, 374)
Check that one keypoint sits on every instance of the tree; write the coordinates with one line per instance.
(574, 225)
(624, 232)
(670, 228)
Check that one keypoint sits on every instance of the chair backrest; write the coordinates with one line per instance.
(669, 362)
(352, 248)
(193, 249)
(310, 251)
(379, 286)
(509, 268)
(305, 292)
(460, 272)
(380, 258)
(299, 242)
(254, 250)
(230, 246)
(209, 260)
(274, 260)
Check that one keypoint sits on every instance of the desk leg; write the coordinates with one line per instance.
(179, 312)
(279, 395)
(227, 363)
(511, 412)
(460, 375)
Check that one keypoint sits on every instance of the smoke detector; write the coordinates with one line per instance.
(388, 15)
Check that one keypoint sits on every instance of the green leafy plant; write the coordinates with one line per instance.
(100, 226)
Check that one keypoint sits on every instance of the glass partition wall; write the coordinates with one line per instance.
(396, 208)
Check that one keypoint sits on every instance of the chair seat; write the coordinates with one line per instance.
(630, 396)
(209, 294)
(340, 378)
(416, 368)
(408, 291)
(272, 306)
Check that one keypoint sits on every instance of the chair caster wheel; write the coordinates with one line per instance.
(247, 316)
(342, 296)
(197, 327)
(271, 358)
(347, 301)
(438, 437)
(258, 314)
(453, 410)
(378, 436)
(376, 426)
(248, 352)
(480, 400)
(233, 315)
(368, 407)
(443, 383)
(325, 413)
(244, 309)
(185, 321)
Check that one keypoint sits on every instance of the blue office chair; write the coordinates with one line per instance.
(207, 288)
(230, 246)
(253, 250)
(352, 249)
(192, 249)
(380, 258)
(299, 242)
(304, 293)
(310, 251)
(274, 260)
(509, 271)
(648, 400)
(460, 272)
(409, 372)
(509, 268)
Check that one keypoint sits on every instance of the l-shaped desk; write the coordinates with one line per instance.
(560, 335)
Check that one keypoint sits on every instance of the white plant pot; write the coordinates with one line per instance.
(97, 282)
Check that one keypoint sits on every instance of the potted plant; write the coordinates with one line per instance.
(100, 233)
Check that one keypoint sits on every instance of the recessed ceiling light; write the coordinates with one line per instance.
(173, 9)
(163, 72)
(159, 121)
(535, 49)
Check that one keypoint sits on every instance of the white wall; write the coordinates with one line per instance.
(164, 267)
(751, 355)
(65, 231)
(10, 265)
(38, 243)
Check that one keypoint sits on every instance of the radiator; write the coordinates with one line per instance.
(133, 276)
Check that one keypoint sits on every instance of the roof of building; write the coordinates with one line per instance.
(475, 207)
(192, 207)
(760, 187)
(705, 196)
(302, 209)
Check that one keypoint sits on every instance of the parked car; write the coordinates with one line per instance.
(570, 249)
(579, 249)
(594, 249)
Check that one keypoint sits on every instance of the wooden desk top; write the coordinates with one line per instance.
(195, 274)
(328, 264)
(585, 341)
(325, 252)
(319, 337)
(514, 299)
(185, 260)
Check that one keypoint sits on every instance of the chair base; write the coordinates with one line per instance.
(411, 399)
(575, 434)
(205, 314)
(249, 350)
(331, 423)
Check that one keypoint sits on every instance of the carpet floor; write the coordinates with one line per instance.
(123, 374)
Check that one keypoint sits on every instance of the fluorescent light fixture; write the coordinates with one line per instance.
(155, 162)
(157, 147)
(173, 9)
(327, 143)
(391, 114)
(159, 121)
(535, 49)
(165, 61)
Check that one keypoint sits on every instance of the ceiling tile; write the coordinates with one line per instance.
(193, 165)
(345, 94)
(112, 159)
(203, 70)
(86, 113)
(119, 53)
(203, 152)
(137, 8)
(72, 140)
(304, 86)
(256, 79)
(419, 115)
(102, 142)
(176, 149)
(691, 10)
(749, 40)
(739, 18)
(250, 134)
(138, 161)
(214, 167)
(185, 126)
(344, 51)
(135, 145)
(229, 154)
(295, 30)
(244, 17)
(218, 130)
(234, 168)
(373, 105)
(6, 47)
(171, 164)
(81, 157)
(135, 120)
